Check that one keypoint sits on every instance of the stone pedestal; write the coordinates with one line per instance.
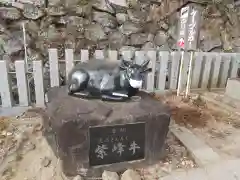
(233, 88)
(93, 135)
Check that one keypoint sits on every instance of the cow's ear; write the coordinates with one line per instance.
(147, 70)
(125, 64)
(145, 64)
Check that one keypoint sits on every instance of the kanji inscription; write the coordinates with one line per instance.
(119, 143)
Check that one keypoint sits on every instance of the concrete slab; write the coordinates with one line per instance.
(224, 107)
(224, 170)
(196, 174)
(201, 152)
(233, 88)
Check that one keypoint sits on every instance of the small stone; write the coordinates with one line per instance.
(56, 11)
(130, 175)
(138, 38)
(160, 38)
(4, 133)
(122, 17)
(137, 16)
(95, 32)
(172, 31)
(103, 5)
(73, 3)
(33, 2)
(18, 5)
(116, 39)
(55, 2)
(32, 12)
(83, 10)
(75, 21)
(10, 13)
(32, 28)
(38, 127)
(210, 34)
(46, 162)
(226, 40)
(6, 2)
(50, 34)
(129, 28)
(78, 177)
(209, 44)
(164, 25)
(164, 47)
(133, 3)
(105, 19)
(122, 3)
(2, 28)
(107, 175)
(9, 134)
(183, 163)
(167, 168)
(148, 46)
(21, 137)
(29, 146)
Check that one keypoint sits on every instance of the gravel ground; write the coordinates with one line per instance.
(24, 153)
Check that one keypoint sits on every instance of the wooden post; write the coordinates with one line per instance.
(38, 81)
(54, 67)
(151, 75)
(84, 55)
(164, 57)
(175, 58)
(22, 83)
(112, 55)
(99, 54)
(68, 61)
(5, 87)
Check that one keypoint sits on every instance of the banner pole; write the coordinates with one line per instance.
(26, 60)
(180, 74)
(189, 74)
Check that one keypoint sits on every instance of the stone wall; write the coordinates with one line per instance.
(99, 24)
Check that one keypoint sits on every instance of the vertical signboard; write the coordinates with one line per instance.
(189, 27)
(184, 14)
(193, 28)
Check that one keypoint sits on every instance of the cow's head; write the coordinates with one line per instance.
(135, 72)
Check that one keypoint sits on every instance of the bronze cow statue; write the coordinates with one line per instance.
(111, 81)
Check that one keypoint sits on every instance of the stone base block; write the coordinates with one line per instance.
(233, 88)
(91, 136)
